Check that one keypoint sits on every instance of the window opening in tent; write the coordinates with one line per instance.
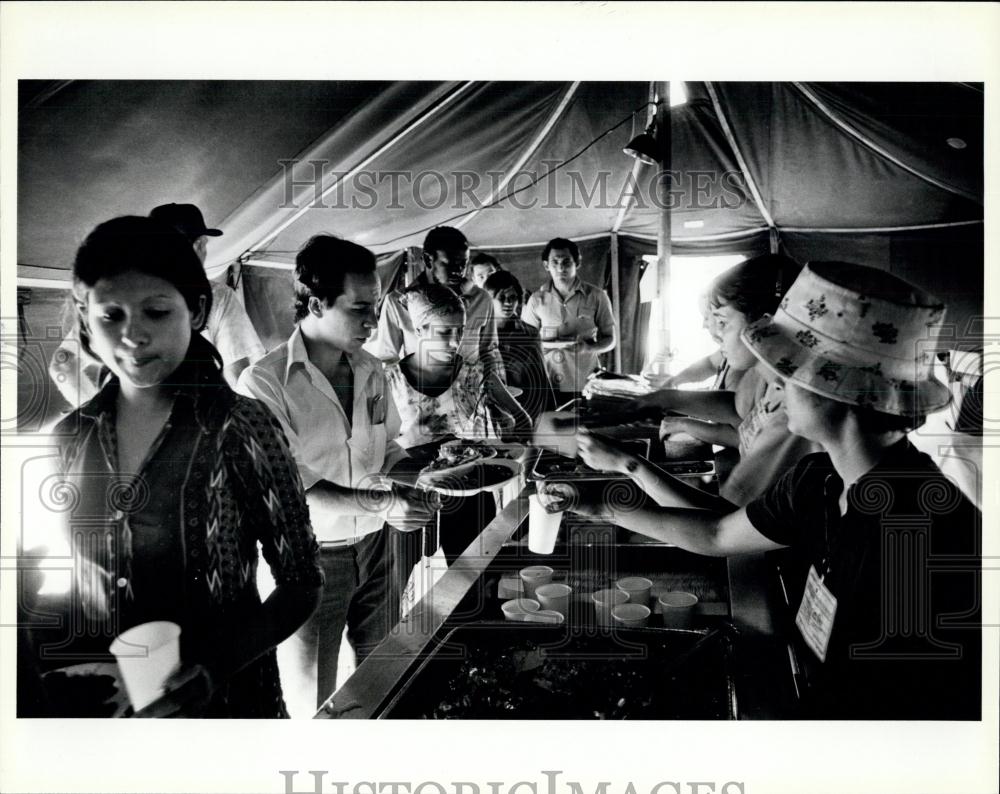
(678, 93)
(689, 279)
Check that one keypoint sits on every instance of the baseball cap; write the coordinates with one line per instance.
(185, 217)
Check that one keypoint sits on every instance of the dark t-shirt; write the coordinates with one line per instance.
(903, 564)
(521, 351)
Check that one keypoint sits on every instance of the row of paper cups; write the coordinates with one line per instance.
(627, 604)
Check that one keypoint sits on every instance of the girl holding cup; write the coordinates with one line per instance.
(178, 479)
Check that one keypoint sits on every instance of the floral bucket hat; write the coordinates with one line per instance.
(857, 335)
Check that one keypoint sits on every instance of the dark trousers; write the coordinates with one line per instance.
(355, 595)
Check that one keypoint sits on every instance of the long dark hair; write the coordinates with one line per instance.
(148, 246)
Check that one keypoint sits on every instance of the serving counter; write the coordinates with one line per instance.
(735, 626)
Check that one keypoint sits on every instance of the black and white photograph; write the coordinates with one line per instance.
(339, 397)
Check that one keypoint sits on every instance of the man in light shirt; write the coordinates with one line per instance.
(574, 319)
(331, 399)
(77, 374)
(446, 259)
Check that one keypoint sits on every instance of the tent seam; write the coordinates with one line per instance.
(874, 147)
(433, 110)
(728, 132)
(532, 148)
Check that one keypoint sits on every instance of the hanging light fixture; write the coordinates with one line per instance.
(644, 147)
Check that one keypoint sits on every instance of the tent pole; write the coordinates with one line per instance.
(663, 238)
(616, 300)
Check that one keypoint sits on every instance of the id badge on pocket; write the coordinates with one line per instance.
(816, 614)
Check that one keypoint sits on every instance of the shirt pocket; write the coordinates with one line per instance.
(375, 449)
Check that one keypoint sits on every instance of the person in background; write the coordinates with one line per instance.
(177, 481)
(446, 259)
(751, 418)
(440, 395)
(520, 347)
(332, 402)
(886, 598)
(574, 319)
(482, 267)
(78, 375)
(713, 365)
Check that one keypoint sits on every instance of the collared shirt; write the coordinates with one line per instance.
(325, 445)
(903, 564)
(178, 540)
(586, 313)
(396, 337)
(77, 374)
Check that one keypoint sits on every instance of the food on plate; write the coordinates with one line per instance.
(456, 456)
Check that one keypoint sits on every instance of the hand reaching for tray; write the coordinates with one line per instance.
(599, 455)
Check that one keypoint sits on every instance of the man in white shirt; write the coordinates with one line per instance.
(77, 374)
(331, 399)
(574, 319)
(446, 258)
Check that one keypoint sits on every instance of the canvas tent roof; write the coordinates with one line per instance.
(801, 158)
(889, 175)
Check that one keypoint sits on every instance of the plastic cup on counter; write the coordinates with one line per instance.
(543, 527)
(534, 576)
(545, 616)
(147, 655)
(604, 602)
(639, 589)
(631, 616)
(518, 608)
(678, 609)
(555, 597)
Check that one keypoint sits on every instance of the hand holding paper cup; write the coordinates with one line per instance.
(147, 655)
(543, 524)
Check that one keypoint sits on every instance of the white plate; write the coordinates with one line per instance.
(447, 487)
(486, 453)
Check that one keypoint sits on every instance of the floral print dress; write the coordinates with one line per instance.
(462, 410)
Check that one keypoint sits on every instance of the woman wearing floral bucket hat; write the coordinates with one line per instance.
(885, 616)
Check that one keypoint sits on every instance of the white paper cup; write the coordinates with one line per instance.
(678, 609)
(631, 616)
(147, 655)
(545, 616)
(543, 527)
(554, 597)
(639, 589)
(517, 608)
(604, 602)
(534, 576)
